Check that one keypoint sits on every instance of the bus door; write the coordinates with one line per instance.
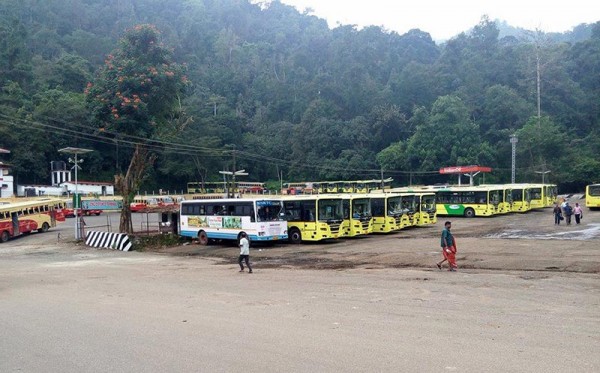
(15, 224)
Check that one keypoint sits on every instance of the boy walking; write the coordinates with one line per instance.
(244, 253)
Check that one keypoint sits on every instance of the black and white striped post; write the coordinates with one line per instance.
(106, 240)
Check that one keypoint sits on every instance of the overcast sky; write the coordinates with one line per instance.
(444, 19)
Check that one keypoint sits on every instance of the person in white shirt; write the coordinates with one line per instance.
(244, 253)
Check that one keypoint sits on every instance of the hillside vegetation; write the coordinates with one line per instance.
(288, 97)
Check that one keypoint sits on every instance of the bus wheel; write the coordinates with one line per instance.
(469, 213)
(44, 228)
(202, 238)
(295, 236)
(4, 236)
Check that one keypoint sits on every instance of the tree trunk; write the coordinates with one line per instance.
(129, 184)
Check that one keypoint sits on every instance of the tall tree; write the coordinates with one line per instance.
(135, 94)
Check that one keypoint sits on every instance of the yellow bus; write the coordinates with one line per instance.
(25, 217)
(425, 209)
(542, 195)
(357, 215)
(313, 217)
(468, 201)
(387, 211)
(550, 194)
(521, 197)
(592, 196)
(505, 204)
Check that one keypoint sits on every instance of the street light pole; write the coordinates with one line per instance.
(543, 175)
(233, 175)
(76, 207)
(513, 140)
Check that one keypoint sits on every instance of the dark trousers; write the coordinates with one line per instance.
(568, 219)
(557, 219)
(577, 218)
(245, 258)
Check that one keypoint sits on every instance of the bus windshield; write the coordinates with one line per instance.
(330, 209)
(361, 208)
(394, 206)
(428, 203)
(594, 190)
(269, 210)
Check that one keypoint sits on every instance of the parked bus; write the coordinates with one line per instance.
(521, 197)
(542, 195)
(226, 219)
(392, 211)
(425, 209)
(358, 219)
(25, 217)
(468, 201)
(313, 217)
(141, 203)
(592, 196)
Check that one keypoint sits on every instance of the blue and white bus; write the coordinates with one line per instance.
(226, 219)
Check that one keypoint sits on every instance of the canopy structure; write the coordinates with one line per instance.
(470, 171)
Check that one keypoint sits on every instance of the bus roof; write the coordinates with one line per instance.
(30, 203)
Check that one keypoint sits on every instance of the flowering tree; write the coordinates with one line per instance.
(136, 93)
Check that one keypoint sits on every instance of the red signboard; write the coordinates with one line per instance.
(464, 169)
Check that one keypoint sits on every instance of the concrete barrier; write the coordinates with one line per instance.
(117, 241)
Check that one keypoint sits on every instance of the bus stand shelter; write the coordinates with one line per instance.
(470, 171)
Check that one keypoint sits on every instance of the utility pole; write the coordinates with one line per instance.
(513, 140)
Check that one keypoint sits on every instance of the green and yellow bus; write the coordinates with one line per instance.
(313, 217)
(468, 201)
(592, 196)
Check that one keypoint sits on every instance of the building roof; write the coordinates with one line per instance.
(82, 182)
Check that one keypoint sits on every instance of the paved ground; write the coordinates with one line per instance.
(527, 298)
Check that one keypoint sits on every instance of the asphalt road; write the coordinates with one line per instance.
(66, 308)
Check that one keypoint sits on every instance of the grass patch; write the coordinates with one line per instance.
(157, 241)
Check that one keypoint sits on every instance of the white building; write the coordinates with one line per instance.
(6, 182)
(41, 190)
(90, 187)
(7, 187)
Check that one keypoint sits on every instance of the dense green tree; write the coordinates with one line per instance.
(135, 94)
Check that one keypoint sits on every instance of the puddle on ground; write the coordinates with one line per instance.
(590, 232)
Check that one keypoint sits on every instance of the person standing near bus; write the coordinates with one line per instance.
(578, 212)
(244, 253)
(448, 248)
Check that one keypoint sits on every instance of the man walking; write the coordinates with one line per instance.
(448, 248)
(557, 214)
(244, 253)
